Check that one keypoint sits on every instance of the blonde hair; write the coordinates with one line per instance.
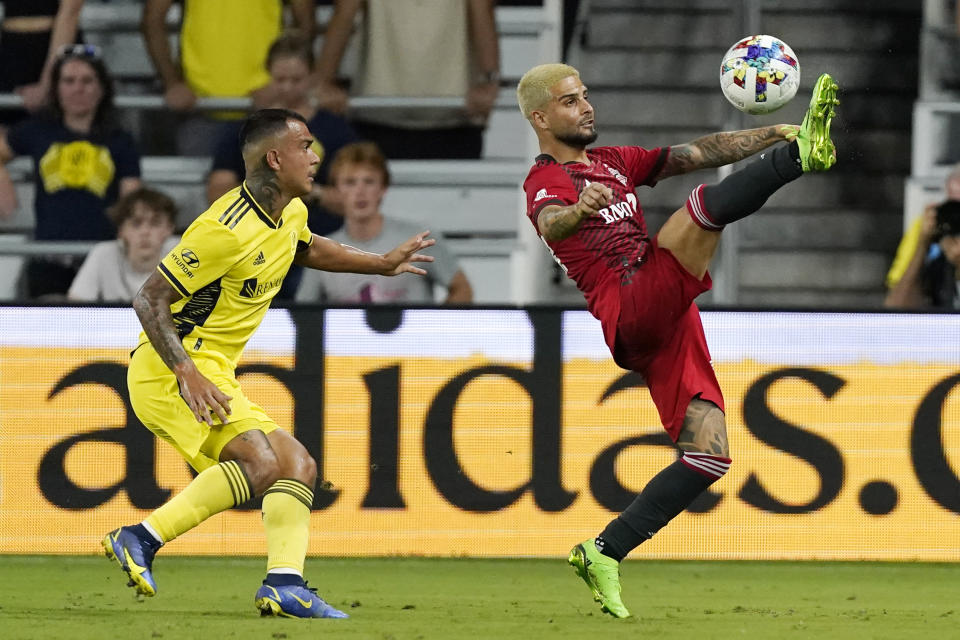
(533, 90)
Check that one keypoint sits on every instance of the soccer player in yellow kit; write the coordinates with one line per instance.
(198, 310)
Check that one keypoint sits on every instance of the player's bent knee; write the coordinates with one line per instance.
(704, 429)
(709, 466)
(303, 468)
(263, 470)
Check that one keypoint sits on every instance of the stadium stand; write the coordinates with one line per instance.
(831, 249)
(936, 113)
(474, 203)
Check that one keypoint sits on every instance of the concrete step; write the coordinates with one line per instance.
(787, 229)
(841, 229)
(814, 269)
(700, 68)
(695, 108)
(883, 150)
(677, 28)
(808, 6)
(816, 299)
(691, 6)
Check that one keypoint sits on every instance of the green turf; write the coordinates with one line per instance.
(78, 598)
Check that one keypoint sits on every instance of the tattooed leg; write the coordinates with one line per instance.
(704, 429)
(703, 440)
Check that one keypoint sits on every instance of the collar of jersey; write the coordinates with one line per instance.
(267, 220)
(546, 157)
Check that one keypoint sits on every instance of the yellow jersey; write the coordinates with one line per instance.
(224, 44)
(229, 265)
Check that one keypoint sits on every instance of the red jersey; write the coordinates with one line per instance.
(610, 245)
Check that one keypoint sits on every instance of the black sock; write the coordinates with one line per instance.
(283, 579)
(667, 494)
(744, 191)
(145, 536)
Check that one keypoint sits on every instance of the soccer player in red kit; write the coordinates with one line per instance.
(582, 203)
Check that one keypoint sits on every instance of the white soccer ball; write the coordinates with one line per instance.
(759, 74)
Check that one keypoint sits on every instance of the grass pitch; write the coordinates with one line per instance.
(83, 598)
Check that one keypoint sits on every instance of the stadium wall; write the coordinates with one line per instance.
(495, 432)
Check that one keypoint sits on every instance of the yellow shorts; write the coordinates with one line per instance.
(155, 397)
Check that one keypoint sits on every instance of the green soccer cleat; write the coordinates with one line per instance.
(602, 575)
(817, 152)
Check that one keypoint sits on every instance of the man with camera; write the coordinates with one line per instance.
(930, 276)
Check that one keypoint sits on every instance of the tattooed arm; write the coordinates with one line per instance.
(726, 147)
(152, 304)
(556, 222)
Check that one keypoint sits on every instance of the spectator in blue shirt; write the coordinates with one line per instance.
(82, 163)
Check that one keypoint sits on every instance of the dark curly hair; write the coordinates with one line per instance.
(103, 118)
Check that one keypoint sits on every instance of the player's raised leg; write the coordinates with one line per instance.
(286, 520)
(691, 234)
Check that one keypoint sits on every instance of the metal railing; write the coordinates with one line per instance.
(505, 100)
(44, 248)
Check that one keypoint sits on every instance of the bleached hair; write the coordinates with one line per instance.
(533, 90)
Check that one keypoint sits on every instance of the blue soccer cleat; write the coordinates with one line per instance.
(294, 601)
(135, 557)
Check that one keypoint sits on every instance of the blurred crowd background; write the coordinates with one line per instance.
(119, 124)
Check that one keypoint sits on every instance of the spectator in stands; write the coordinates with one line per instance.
(82, 163)
(917, 248)
(360, 175)
(223, 46)
(31, 34)
(417, 48)
(114, 270)
(289, 62)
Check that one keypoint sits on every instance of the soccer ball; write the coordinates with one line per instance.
(759, 74)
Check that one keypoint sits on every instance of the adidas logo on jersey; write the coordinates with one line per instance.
(542, 194)
(259, 260)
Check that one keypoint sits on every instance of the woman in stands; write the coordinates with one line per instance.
(31, 34)
(82, 163)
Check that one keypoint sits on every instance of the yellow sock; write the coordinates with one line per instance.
(286, 519)
(216, 489)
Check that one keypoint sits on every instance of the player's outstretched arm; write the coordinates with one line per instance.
(328, 255)
(152, 304)
(556, 223)
(725, 147)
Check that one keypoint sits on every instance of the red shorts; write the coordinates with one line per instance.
(659, 335)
